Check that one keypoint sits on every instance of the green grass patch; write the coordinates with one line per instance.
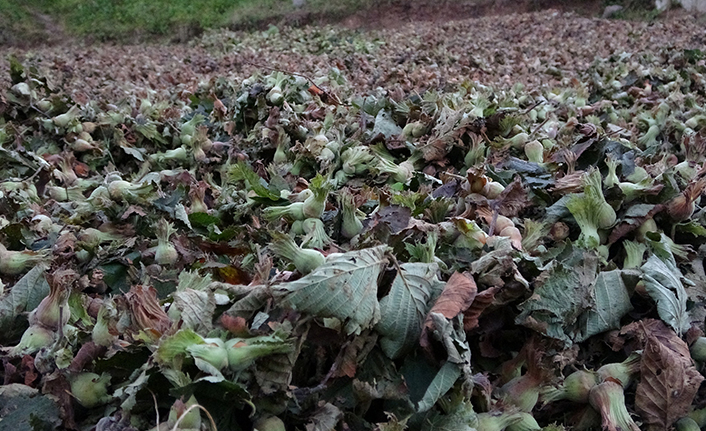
(19, 22)
(110, 19)
(135, 20)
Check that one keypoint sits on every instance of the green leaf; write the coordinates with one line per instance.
(176, 345)
(115, 276)
(17, 71)
(403, 310)
(564, 298)
(181, 215)
(25, 295)
(78, 310)
(611, 301)
(203, 219)
(137, 153)
(663, 283)
(169, 202)
(418, 374)
(138, 380)
(450, 333)
(26, 410)
(149, 131)
(344, 287)
(443, 381)
(558, 300)
(251, 303)
(461, 418)
(692, 227)
(242, 171)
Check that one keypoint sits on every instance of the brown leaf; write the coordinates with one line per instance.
(219, 109)
(30, 372)
(631, 224)
(394, 143)
(58, 386)
(480, 303)
(133, 209)
(668, 380)
(435, 149)
(396, 217)
(65, 244)
(145, 309)
(234, 275)
(570, 183)
(643, 329)
(513, 199)
(86, 354)
(352, 354)
(457, 296)
(235, 325)
(81, 169)
(10, 372)
(579, 148)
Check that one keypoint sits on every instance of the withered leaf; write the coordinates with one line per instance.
(631, 223)
(89, 352)
(325, 419)
(513, 199)
(355, 353)
(457, 296)
(668, 380)
(145, 309)
(396, 217)
(480, 303)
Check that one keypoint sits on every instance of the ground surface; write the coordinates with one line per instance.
(535, 49)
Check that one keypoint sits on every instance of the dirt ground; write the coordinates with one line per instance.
(391, 14)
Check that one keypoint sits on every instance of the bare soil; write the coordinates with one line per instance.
(395, 13)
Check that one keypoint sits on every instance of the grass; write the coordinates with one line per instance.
(110, 19)
(18, 21)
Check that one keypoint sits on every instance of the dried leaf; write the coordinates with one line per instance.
(480, 303)
(354, 353)
(395, 217)
(145, 309)
(457, 296)
(668, 381)
(513, 199)
(325, 419)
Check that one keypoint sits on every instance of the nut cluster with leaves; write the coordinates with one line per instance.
(367, 231)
